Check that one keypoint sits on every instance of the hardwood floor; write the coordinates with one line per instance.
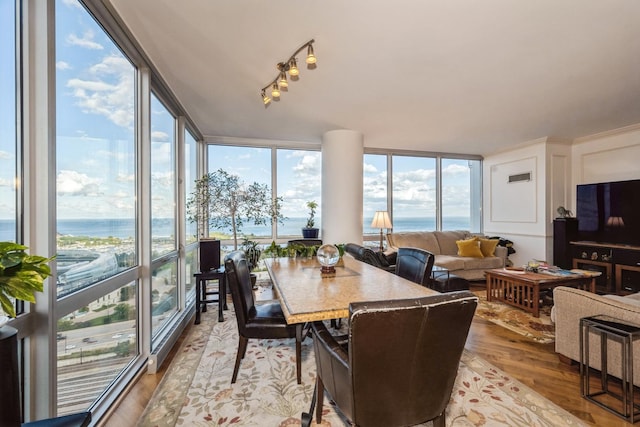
(535, 365)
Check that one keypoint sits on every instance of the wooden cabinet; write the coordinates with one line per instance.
(619, 265)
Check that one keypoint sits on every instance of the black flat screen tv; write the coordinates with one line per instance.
(609, 212)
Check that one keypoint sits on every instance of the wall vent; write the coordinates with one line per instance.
(520, 177)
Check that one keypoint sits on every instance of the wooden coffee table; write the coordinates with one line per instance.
(521, 289)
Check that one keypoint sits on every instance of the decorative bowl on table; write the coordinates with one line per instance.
(328, 256)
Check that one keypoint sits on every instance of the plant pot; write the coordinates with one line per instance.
(254, 279)
(310, 233)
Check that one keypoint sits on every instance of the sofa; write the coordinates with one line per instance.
(570, 305)
(443, 245)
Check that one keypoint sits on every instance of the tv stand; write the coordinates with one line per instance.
(618, 263)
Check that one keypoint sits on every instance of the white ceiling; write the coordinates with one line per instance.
(455, 76)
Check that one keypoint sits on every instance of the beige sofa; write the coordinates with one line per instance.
(570, 305)
(443, 245)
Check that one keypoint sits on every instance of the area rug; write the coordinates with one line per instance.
(197, 389)
(539, 329)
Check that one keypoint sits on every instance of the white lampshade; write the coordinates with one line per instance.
(381, 220)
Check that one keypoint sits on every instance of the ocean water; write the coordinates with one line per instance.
(125, 228)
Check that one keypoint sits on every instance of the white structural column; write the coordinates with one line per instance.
(342, 157)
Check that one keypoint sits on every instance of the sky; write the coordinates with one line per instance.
(96, 166)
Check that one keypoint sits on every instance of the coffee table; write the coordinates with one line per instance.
(521, 288)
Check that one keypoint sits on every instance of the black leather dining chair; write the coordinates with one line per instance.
(415, 264)
(263, 321)
(384, 378)
(364, 254)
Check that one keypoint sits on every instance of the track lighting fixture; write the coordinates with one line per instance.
(290, 66)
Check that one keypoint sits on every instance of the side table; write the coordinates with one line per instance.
(202, 293)
(609, 328)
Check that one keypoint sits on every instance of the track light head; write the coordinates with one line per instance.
(282, 82)
(311, 58)
(265, 99)
(275, 91)
(293, 68)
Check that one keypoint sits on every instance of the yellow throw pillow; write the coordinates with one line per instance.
(469, 248)
(488, 246)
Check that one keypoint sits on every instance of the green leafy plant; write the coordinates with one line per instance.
(312, 205)
(224, 201)
(252, 252)
(21, 275)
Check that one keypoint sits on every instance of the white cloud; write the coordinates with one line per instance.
(85, 41)
(7, 183)
(62, 65)
(99, 96)
(159, 136)
(76, 183)
(125, 178)
(5, 155)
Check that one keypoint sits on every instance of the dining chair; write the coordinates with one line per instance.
(263, 320)
(364, 254)
(415, 264)
(383, 378)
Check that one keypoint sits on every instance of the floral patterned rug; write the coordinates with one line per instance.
(197, 389)
(539, 329)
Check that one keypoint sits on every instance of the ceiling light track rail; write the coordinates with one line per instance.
(289, 66)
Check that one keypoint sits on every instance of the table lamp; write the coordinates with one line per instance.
(381, 220)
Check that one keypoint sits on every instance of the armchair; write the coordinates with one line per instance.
(383, 378)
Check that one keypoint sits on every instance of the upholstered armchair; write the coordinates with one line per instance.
(384, 378)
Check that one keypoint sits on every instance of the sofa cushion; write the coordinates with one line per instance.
(447, 240)
(415, 239)
(449, 262)
(628, 299)
(485, 263)
(469, 248)
(488, 246)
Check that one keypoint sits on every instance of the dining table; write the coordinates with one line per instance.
(306, 294)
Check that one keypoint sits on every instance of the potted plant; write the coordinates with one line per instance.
(21, 275)
(309, 231)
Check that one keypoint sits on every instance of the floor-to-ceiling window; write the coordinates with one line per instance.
(375, 186)
(250, 164)
(164, 283)
(8, 111)
(298, 182)
(461, 187)
(96, 225)
(414, 193)
(191, 230)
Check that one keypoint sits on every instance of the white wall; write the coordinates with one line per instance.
(524, 212)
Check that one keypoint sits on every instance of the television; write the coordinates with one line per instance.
(609, 212)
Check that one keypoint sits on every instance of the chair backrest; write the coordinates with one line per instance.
(367, 255)
(239, 283)
(406, 378)
(414, 264)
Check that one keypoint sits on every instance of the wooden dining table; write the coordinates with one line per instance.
(307, 295)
